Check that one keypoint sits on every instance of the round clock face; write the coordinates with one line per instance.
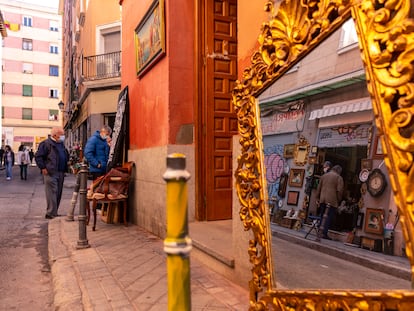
(376, 183)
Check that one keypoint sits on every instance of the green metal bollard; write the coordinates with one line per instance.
(177, 244)
(83, 176)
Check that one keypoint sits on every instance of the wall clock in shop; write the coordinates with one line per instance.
(376, 182)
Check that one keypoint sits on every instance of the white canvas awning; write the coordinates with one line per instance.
(355, 105)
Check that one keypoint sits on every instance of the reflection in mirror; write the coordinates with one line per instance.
(323, 102)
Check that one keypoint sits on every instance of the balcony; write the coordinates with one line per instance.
(103, 66)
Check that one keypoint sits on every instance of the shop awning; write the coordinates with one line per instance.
(360, 104)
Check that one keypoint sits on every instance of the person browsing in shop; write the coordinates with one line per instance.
(97, 151)
(329, 195)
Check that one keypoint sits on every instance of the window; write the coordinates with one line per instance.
(348, 35)
(53, 70)
(53, 49)
(27, 113)
(2, 112)
(27, 68)
(27, 90)
(27, 44)
(53, 93)
(27, 21)
(53, 26)
(53, 114)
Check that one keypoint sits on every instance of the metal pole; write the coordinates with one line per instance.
(71, 212)
(177, 244)
(83, 240)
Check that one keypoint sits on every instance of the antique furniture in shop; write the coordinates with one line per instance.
(112, 196)
(386, 39)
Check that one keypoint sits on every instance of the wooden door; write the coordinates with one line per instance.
(219, 72)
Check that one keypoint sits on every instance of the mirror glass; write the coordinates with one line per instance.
(318, 111)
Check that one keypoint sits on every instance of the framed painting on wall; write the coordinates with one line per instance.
(293, 198)
(374, 221)
(150, 38)
(296, 177)
(377, 152)
(288, 151)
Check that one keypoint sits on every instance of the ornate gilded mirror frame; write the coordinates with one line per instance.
(386, 40)
(302, 148)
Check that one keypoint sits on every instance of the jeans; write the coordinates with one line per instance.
(327, 215)
(9, 169)
(23, 171)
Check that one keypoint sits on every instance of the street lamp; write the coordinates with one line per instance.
(61, 105)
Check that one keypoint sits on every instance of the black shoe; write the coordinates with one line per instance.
(326, 237)
(49, 216)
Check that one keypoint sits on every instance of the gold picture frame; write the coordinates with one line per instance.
(288, 151)
(386, 36)
(296, 176)
(150, 38)
(373, 221)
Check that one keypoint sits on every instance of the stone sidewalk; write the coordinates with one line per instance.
(125, 269)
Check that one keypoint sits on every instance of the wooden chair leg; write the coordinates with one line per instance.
(95, 203)
(124, 206)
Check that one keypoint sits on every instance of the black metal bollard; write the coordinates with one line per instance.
(83, 176)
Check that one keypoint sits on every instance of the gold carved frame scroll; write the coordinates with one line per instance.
(386, 39)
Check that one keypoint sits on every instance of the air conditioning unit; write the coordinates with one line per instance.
(77, 36)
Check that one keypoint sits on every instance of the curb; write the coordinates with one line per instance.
(377, 265)
(67, 292)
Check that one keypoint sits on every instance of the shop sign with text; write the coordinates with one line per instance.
(344, 136)
(283, 122)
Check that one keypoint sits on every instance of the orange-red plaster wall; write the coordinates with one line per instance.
(251, 15)
(161, 101)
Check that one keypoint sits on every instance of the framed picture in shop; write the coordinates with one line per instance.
(293, 198)
(296, 177)
(377, 152)
(373, 221)
(366, 164)
(288, 151)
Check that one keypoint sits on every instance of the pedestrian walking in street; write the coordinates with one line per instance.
(97, 151)
(31, 156)
(52, 159)
(1, 155)
(329, 195)
(23, 161)
(8, 160)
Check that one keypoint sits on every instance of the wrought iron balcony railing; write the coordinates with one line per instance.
(102, 66)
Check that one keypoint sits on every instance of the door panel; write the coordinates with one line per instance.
(220, 120)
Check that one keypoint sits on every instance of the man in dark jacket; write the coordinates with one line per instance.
(52, 159)
(97, 151)
(329, 194)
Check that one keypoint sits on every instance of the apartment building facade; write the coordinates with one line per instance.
(91, 67)
(31, 67)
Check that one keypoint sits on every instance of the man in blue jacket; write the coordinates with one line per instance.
(52, 159)
(97, 151)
